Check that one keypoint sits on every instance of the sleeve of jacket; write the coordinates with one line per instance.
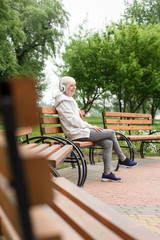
(67, 115)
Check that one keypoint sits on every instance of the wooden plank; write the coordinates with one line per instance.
(129, 127)
(143, 137)
(23, 131)
(134, 122)
(25, 100)
(9, 205)
(47, 222)
(4, 164)
(51, 130)
(84, 144)
(28, 146)
(60, 155)
(84, 223)
(44, 227)
(102, 212)
(37, 175)
(47, 110)
(50, 150)
(129, 115)
(39, 148)
(7, 229)
(50, 120)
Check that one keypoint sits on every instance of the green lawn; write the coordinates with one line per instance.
(152, 149)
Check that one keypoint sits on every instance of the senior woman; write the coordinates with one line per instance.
(76, 129)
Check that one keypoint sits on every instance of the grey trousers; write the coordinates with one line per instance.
(108, 141)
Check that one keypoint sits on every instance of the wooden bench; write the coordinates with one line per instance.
(50, 124)
(131, 123)
(63, 151)
(34, 205)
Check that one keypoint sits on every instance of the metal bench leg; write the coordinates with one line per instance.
(141, 149)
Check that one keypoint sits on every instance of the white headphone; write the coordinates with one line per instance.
(62, 86)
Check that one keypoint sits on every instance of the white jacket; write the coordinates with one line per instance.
(72, 124)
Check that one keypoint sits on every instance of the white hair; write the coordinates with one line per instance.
(65, 82)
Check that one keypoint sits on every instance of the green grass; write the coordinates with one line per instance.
(151, 150)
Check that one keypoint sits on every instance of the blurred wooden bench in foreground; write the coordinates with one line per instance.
(34, 205)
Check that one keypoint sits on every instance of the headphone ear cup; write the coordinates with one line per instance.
(63, 89)
(62, 86)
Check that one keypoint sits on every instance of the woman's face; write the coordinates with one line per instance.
(71, 90)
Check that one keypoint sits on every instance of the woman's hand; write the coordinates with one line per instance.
(98, 129)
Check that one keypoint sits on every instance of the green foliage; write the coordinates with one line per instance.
(133, 59)
(82, 60)
(143, 11)
(123, 61)
(30, 31)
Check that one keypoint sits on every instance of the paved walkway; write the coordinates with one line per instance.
(137, 196)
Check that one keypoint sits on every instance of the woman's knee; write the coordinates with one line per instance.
(107, 143)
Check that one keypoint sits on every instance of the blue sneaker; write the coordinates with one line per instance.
(127, 163)
(110, 177)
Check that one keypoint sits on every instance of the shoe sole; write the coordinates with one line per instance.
(109, 180)
(128, 166)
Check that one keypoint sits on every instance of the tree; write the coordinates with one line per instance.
(11, 35)
(82, 60)
(124, 60)
(134, 55)
(143, 11)
(32, 30)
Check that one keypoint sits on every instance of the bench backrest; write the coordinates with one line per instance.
(23, 191)
(126, 121)
(49, 120)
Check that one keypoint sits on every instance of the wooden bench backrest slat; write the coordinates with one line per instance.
(132, 128)
(23, 131)
(51, 130)
(49, 116)
(47, 110)
(133, 122)
(50, 120)
(127, 115)
(127, 121)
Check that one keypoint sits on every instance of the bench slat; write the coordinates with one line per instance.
(8, 203)
(84, 144)
(50, 150)
(80, 220)
(48, 223)
(134, 122)
(50, 120)
(39, 148)
(51, 130)
(102, 212)
(6, 228)
(23, 131)
(47, 110)
(143, 137)
(127, 115)
(28, 146)
(59, 155)
(129, 127)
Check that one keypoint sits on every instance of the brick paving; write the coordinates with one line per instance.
(137, 196)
